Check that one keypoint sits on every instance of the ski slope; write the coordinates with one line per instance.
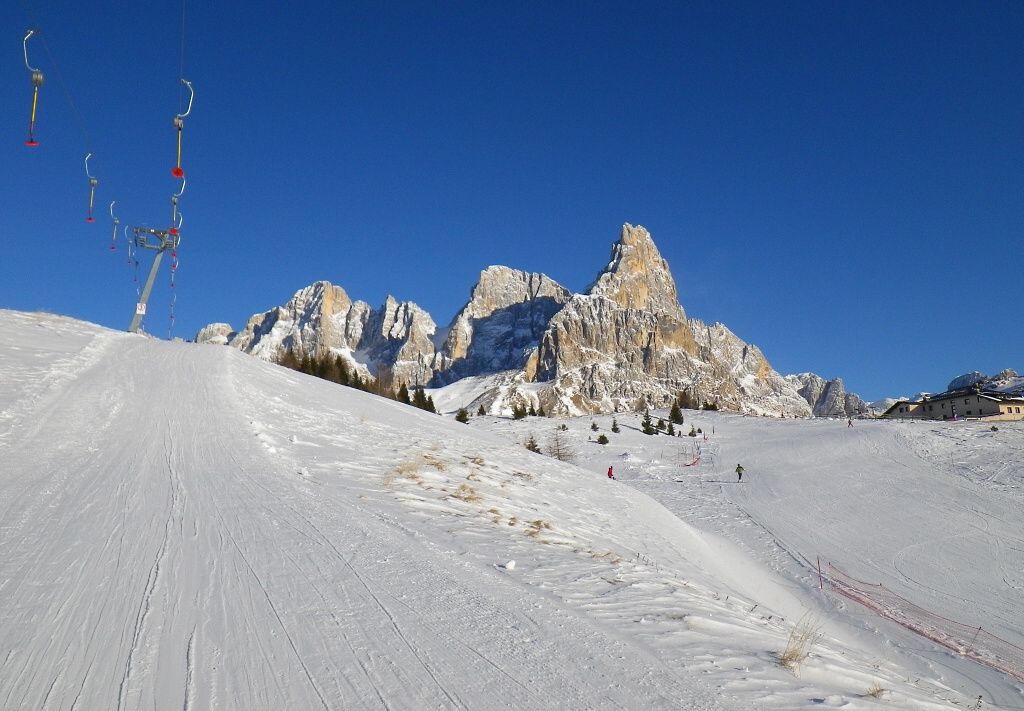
(187, 527)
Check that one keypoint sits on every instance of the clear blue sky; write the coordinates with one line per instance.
(838, 183)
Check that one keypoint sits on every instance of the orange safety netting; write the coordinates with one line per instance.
(973, 642)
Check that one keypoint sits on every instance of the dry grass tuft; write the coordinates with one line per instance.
(465, 492)
(607, 555)
(473, 476)
(513, 521)
(434, 461)
(534, 528)
(798, 647)
(875, 690)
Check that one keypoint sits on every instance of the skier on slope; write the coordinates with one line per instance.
(611, 474)
(739, 473)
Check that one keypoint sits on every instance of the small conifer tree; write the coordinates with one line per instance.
(675, 415)
(403, 395)
(602, 439)
(518, 412)
(423, 401)
(531, 444)
(462, 415)
(480, 410)
(593, 425)
(671, 430)
(646, 426)
(615, 426)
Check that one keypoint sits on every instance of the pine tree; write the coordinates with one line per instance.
(593, 425)
(518, 412)
(403, 395)
(342, 367)
(615, 426)
(531, 444)
(480, 410)
(671, 431)
(419, 398)
(602, 439)
(675, 415)
(645, 425)
(462, 415)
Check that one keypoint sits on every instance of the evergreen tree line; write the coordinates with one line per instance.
(335, 369)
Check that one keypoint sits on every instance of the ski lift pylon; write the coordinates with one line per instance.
(37, 81)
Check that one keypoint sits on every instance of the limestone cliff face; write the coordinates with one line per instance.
(398, 337)
(217, 334)
(627, 344)
(321, 319)
(739, 377)
(623, 344)
(637, 277)
(502, 324)
(827, 398)
(317, 319)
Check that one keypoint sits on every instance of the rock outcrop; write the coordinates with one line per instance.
(828, 398)
(501, 326)
(217, 334)
(321, 319)
(624, 344)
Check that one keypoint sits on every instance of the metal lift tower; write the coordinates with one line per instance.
(161, 241)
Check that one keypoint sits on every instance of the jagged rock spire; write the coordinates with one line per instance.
(637, 277)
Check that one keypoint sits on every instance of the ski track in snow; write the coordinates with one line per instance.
(185, 527)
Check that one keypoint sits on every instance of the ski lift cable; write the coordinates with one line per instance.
(181, 60)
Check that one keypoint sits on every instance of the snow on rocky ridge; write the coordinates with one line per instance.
(623, 345)
(187, 527)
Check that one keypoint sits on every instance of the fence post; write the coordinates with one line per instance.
(821, 582)
(971, 645)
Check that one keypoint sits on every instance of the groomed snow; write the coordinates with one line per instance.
(188, 527)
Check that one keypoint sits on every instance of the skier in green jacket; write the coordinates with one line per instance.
(739, 473)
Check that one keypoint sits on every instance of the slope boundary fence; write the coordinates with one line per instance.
(972, 642)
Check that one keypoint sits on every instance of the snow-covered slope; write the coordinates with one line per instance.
(186, 527)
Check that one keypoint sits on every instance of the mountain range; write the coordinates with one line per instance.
(624, 344)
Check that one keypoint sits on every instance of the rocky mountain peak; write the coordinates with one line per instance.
(637, 277)
(624, 344)
(507, 313)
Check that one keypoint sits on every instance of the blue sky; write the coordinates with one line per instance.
(838, 183)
